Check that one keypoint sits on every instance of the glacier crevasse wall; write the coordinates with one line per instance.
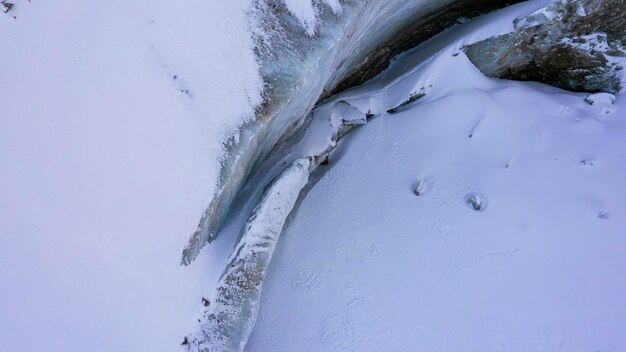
(351, 43)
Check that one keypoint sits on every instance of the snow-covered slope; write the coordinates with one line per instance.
(486, 215)
(112, 123)
(112, 116)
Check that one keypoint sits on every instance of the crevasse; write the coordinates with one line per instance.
(351, 44)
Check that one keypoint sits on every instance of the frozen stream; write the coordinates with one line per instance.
(365, 264)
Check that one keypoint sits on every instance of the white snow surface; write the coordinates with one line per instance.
(112, 118)
(367, 265)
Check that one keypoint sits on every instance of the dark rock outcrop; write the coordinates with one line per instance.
(577, 45)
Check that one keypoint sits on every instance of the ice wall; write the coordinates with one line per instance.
(232, 314)
(351, 42)
(349, 45)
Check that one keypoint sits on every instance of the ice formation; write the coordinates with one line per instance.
(350, 44)
(232, 312)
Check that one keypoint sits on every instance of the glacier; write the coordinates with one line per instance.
(350, 44)
(123, 124)
(315, 136)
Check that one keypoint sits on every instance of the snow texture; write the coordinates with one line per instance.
(112, 119)
(515, 241)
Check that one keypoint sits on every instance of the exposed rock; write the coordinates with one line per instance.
(577, 45)
(7, 6)
(413, 97)
(477, 202)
